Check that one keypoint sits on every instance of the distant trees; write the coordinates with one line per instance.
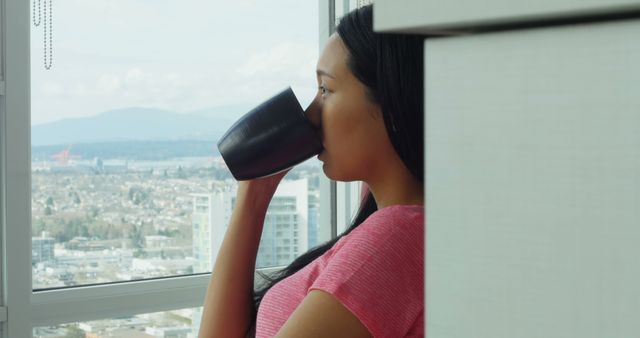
(73, 331)
(49, 205)
(181, 174)
(140, 253)
(136, 235)
(38, 226)
(107, 231)
(168, 232)
(75, 197)
(64, 229)
(138, 195)
(71, 228)
(93, 212)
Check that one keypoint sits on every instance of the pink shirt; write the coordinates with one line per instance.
(377, 272)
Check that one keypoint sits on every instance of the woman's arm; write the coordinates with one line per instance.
(228, 305)
(321, 315)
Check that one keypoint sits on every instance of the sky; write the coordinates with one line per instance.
(179, 55)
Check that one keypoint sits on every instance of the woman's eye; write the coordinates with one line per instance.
(323, 90)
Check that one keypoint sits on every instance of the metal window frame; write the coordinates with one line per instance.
(15, 169)
(3, 309)
(26, 309)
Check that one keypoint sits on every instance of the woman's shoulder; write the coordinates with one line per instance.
(396, 219)
(390, 228)
(401, 213)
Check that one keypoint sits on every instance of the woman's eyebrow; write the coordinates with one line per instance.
(321, 72)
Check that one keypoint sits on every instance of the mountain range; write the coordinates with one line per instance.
(138, 124)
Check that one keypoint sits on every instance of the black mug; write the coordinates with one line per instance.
(274, 136)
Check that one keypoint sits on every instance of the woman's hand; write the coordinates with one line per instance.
(259, 191)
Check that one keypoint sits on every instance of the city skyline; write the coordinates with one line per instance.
(132, 222)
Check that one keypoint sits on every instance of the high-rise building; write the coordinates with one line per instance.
(314, 205)
(285, 232)
(211, 214)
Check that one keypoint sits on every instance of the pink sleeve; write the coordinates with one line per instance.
(378, 273)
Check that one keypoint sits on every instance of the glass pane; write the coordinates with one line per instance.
(127, 182)
(169, 324)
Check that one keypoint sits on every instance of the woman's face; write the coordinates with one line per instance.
(356, 144)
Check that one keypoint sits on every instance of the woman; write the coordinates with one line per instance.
(368, 282)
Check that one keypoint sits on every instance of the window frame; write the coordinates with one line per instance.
(15, 163)
(3, 309)
(26, 309)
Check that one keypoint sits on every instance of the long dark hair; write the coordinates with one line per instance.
(390, 66)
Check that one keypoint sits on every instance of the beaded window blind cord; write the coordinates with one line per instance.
(47, 26)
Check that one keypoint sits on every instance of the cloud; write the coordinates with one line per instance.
(283, 57)
(285, 64)
(134, 75)
(267, 62)
(50, 88)
(79, 90)
(108, 84)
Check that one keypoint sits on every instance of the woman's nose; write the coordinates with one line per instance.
(313, 113)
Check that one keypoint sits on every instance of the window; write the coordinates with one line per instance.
(126, 178)
(157, 204)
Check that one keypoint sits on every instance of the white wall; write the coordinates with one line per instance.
(533, 181)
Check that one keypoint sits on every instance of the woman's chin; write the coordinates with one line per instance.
(328, 169)
(331, 174)
(327, 172)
